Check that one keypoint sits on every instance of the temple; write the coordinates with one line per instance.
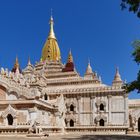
(52, 98)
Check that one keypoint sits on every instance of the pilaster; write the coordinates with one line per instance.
(109, 109)
(92, 102)
(126, 117)
(79, 109)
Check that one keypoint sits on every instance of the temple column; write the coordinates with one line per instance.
(79, 109)
(92, 103)
(126, 109)
(109, 109)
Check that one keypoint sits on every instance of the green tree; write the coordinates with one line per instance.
(132, 6)
(135, 85)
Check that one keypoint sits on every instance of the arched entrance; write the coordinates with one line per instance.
(71, 123)
(71, 108)
(101, 122)
(101, 107)
(10, 119)
(45, 97)
(139, 124)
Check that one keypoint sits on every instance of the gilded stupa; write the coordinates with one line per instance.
(51, 51)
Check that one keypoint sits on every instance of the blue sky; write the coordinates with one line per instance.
(93, 29)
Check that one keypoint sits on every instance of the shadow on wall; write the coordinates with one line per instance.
(104, 137)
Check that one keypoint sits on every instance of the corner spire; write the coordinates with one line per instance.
(16, 66)
(70, 57)
(29, 61)
(117, 78)
(69, 65)
(117, 75)
(89, 69)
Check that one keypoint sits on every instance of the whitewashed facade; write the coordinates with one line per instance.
(50, 97)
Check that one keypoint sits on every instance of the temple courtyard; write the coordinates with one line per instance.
(74, 137)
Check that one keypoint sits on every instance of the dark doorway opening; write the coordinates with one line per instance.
(10, 119)
(71, 108)
(102, 123)
(101, 107)
(46, 97)
(71, 123)
(139, 124)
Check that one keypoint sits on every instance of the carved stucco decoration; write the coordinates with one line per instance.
(99, 117)
(69, 104)
(99, 102)
(70, 117)
(9, 110)
(135, 114)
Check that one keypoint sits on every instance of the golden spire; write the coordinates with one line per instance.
(51, 51)
(70, 58)
(51, 34)
(16, 65)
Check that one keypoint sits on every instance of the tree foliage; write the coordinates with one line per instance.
(135, 85)
(132, 6)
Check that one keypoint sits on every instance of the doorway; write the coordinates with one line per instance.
(71, 123)
(102, 123)
(10, 119)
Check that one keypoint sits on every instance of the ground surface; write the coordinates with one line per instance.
(73, 137)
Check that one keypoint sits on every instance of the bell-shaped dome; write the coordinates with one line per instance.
(51, 51)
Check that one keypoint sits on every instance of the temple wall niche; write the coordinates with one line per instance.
(2, 93)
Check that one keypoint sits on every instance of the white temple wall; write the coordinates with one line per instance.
(23, 117)
(85, 111)
(43, 117)
(118, 110)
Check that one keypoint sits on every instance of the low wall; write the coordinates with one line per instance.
(97, 130)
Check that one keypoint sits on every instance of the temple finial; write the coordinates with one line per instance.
(89, 68)
(88, 61)
(16, 66)
(117, 78)
(70, 57)
(51, 12)
(16, 63)
(117, 75)
(29, 62)
(51, 34)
